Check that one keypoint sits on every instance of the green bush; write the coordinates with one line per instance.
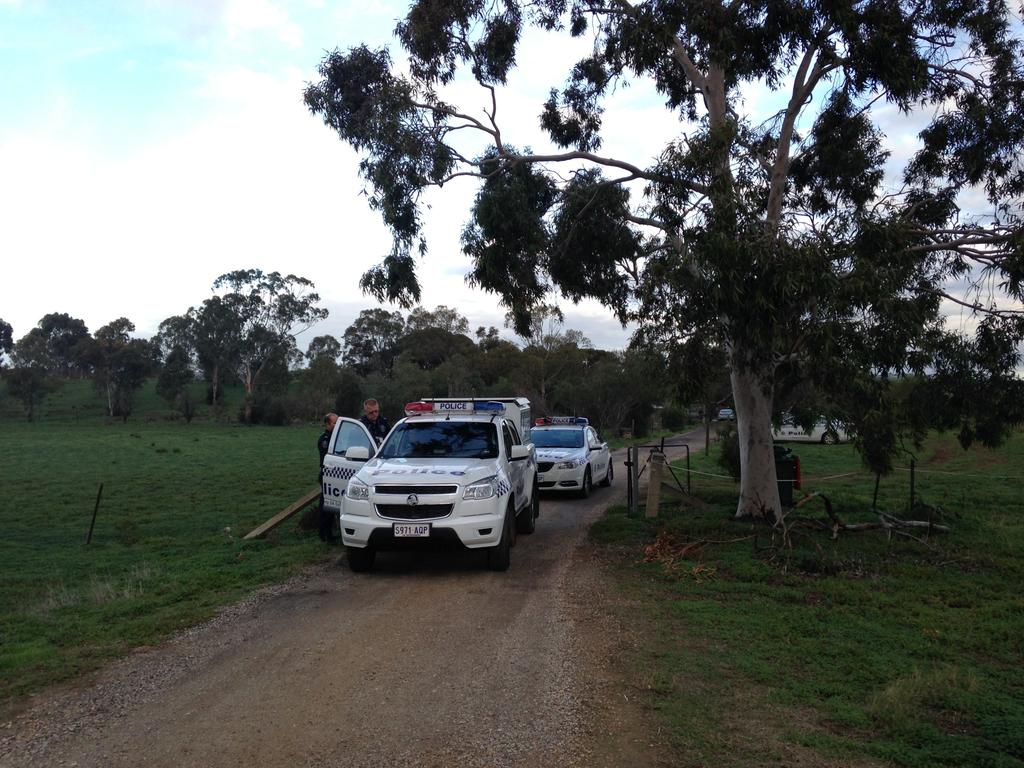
(274, 411)
(729, 450)
(673, 417)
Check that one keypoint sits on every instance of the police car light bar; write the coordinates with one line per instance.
(547, 421)
(453, 406)
(491, 406)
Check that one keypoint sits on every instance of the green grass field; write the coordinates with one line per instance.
(859, 651)
(166, 551)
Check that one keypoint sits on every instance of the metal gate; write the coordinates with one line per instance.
(636, 468)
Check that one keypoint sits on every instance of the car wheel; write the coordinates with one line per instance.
(499, 557)
(829, 438)
(609, 475)
(526, 521)
(360, 559)
(587, 486)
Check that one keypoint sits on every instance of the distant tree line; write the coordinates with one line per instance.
(60, 347)
(398, 359)
(246, 334)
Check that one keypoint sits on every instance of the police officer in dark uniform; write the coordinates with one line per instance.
(374, 421)
(325, 518)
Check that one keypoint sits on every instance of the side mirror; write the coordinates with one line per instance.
(519, 452)
(358, 453)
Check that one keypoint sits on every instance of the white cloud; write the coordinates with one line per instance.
(244, 17)
(253, 180)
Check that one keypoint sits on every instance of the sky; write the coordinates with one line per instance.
(149, 146)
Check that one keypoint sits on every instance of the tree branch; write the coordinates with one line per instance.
(803, 87)
(973, 306)
(610, 162)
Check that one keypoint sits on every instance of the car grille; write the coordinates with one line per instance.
(414, 512)
(419, 490)
(545, 466)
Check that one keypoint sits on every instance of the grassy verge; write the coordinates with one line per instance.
(859, 651)
(166, 549)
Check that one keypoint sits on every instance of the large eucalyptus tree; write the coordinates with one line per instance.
(780, 239)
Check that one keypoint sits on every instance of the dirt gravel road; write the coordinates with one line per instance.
(430, 660)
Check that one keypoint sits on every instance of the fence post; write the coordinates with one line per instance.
(629, 481)
(654, 484)
(95, 509)
(913, 466)
(634, 480)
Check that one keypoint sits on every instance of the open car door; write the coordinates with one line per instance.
(338, 470)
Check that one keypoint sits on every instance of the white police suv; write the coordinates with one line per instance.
(570, 455)
(452, 470)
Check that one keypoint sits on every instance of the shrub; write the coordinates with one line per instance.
(273, 411)
(673, 417)
(729, 455)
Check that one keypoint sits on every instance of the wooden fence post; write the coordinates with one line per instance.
(654, 483)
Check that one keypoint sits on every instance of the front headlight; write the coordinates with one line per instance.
(571, 463)
(357, 490)
(482, 489)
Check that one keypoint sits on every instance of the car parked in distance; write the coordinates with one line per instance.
(726, 414)
(570, 455)
(827, 432)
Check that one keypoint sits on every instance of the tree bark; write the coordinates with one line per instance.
(752, 392)
(249, 381)
(216, 378)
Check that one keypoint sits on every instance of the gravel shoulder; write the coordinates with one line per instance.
(430, 660)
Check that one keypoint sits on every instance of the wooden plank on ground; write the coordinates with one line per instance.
(283, 515)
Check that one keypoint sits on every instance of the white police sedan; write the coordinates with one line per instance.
(823, 431)
(570, 455)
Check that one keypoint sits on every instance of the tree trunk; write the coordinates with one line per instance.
(213, 387)
(752, 392)
(250, 386)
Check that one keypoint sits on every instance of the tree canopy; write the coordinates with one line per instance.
(67, 339)
(6, 340)
(370, 342)
(120, 364)
(780, 240)
(267, 310)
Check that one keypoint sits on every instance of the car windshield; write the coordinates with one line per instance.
(558, 438)
(435, 439)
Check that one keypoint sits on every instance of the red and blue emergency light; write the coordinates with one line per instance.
(490, 405)
(420, 407)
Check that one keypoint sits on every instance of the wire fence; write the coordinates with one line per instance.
(905, 487)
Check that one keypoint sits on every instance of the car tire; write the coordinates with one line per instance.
(526, 521)
(609, 475)
(499, 557)
(360, 559)
(588, 484)
(829, 438)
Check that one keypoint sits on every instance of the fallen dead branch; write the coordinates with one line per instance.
(668, 551)
(887, 522)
